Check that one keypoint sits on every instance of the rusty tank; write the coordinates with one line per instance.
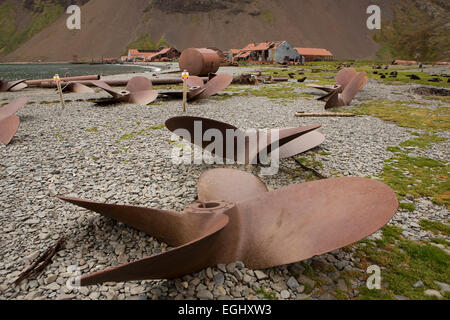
(199, 61)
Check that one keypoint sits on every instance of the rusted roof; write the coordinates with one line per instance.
(314, 52)
(244, 54)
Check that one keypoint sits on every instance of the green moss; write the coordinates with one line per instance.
(423, 141)
(407, 206)
(435, 226)
(267, 294)
(157, 127)
(93, 130)
(403, 263)
(405, 116)
(419, 177)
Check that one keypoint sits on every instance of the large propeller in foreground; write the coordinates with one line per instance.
(237, 219)
(9, 122)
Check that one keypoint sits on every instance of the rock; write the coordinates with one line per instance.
(292, 283)
(94, 295)
(401, 298)
(260, 275)
(51, 278)
(52, 286)
(418, 284)
(222, 268)
(301, 289)
(205, 295)
(342, 285)
(219, 279)
(444, 286)
(433, 293)
(285, 294)
(231, 267)
(327, 296)
(305, 280)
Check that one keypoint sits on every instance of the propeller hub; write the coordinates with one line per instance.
(209, 207)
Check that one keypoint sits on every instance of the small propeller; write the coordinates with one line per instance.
(261, 228)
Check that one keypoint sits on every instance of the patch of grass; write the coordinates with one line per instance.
(441, 241)
(435, 226)
(310, 163)
(418, 177)
(445, 99)
(284, 92)
(267, 16)
(223, 96)
(407, 206)
(95, 158)
(405, 116)
(157, 127)
(93, 130)
(403, 263)
(267, 294)
(423, 141)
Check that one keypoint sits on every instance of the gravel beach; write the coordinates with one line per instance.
(121, 154)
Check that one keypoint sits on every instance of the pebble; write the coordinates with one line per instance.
(205, 295)
(433, 293)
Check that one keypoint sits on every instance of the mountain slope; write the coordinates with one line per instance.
(109, 26)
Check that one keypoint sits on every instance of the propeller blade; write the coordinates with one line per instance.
(8, 128)
(228, 185)
(195, 81)
(12, 108)
(345, 76)
(103, 85)
(77, 88)
(352, 89)
(172, 227)
(215, 85)
(301, 221)
(143, 97)
(17, 85)
(302, 144)
(334, 100)
(137, 84)
(189, 258)
(326, 89)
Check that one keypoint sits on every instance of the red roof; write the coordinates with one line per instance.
(314, 52)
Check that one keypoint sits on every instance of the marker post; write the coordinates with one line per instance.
(185, 76)
(57, 79)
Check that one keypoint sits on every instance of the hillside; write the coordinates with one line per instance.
(35, 30)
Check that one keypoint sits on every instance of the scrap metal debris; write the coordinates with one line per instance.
(74, 87)
(9, 122)
(139, 90)
(291, 141)
(236, 218)
(42, 262)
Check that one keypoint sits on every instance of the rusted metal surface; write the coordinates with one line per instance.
(74, 87)
(117, 83)
(8, 128)
(348, 83)
(9, 123)
(139, 90)
(238, 219)
(290, 140)
(214, 86)
(199, 61)
(12, 85)
(67, 79)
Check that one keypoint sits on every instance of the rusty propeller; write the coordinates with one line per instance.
(348, 83)
(291, 141)
(9, 122)
(237, 219)
(12, 85)
(75, 87)
(138, 91)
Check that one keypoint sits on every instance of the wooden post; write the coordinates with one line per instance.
(57, 79)
(185, 77)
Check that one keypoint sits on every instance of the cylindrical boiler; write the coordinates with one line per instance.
(199, 62)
